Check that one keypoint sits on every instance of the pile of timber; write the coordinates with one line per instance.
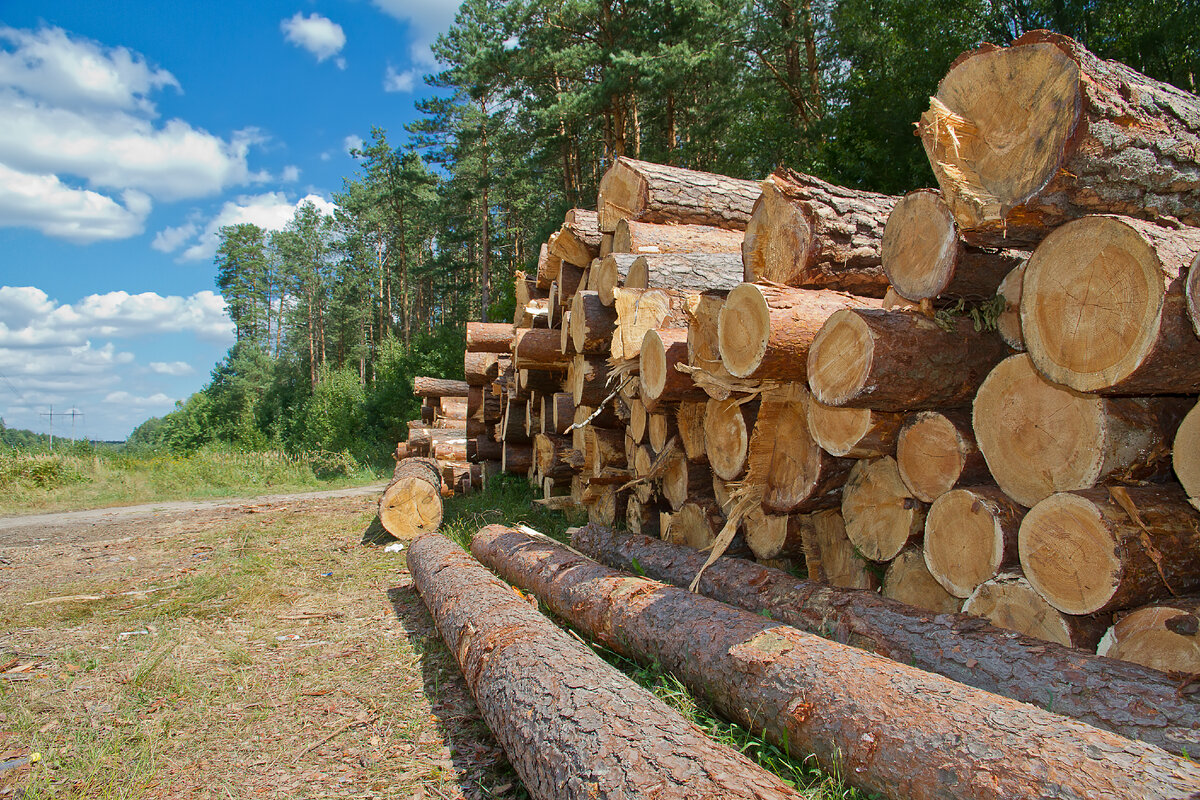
(975, 398)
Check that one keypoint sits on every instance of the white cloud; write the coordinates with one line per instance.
(124, 398)
(175, 368)
(290, 174)
(271, 211)
(46, 204)
(318, 35)
(394, 81)
(352, 142)
(168, 240)
(426, 19)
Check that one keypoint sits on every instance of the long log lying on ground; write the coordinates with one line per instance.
(890, 727)
(1080, 136)
(632, 189)
(489, 337)
(809, 233)
(1133, 701)
(412, 502)
(645, 238)
(686, 272)
(602, 735)
(1103, 307)
(439, 387)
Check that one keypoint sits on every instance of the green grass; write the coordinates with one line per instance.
(32, 482)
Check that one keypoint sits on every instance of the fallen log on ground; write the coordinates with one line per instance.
(1128, 699)
(412, 502)
(597, 734)
(891, 728)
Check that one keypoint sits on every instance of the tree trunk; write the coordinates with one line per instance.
(1130, 700)
(489, 337)
(899, 361)
(881, 514)
(908, 581)
(512, 427)
(1162, 636)
(1080, 136)
(1110, 548)
(592, 323)
(1039, 438)
(971, 536)
(1103, 307)
(610, 275)
(936, 451)
(808, 233)
(517, 457)
(439, 387)
(924, 258)
(412, 502)
(765, 331)
(686, 272)
(830, 556)
(727, 427)
(483, 448)
(578, 241)
(644, 238)
(1185, 456)
(607, 737)
(641, 310)
(661, 383)
(853, 432)
(1008, 601)
(649, 192)
(892, 728)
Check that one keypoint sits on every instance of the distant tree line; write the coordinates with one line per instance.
(334, 315)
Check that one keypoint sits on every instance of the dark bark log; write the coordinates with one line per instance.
(489, 337)
(480, 369)
(599, 734)
(1133, 701)
(438, 387)
(483, 448)
(517, 457)
(892, 728)
(412, 503)
(538, 349)
(550, 455)
(640, 190)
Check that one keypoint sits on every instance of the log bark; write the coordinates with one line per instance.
(899, 361)
(512, 427)
(829, 555)
(517, 457)
(538, 349)
(607, 737)
(475, 402)
(808, 233)
(1162, 636)
(881, 514)
(1192, 291)
(438, 387)
(892, 728)
(689, 420)
(639, 421)
(480, 369)
(683, 480)
(1080, 136)
(908, 581)
(936, 451)
(454, 408)
(1008, 324)
(854, 432)
(589, 380)
(765, 331)
(483, 448)
(660, 382)
(412, 502)
(550, 456)
(971, 536)
(1008, 601)
(1128, 699)
(610, 274)
(687, 272)
(534, 382)
(578, 241)
(633, 189)
(1039, 438)
(451, 451)
(727, 427)
(925, 258)
(1103, 307)
(570, 280)
(641, 310)
(591, 324)
(489, 337)
(1185, 455)
(1109, 548)
(548, 264)
(644, 238)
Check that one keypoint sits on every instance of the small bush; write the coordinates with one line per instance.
(40, 471)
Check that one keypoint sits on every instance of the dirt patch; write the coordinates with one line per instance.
(232, 652)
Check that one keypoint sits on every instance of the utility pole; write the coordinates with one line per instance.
(73, 413)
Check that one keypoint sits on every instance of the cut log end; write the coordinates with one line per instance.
(920, 245)
(908, 581)
(1186, 455)
(966, 541)
(1069, 554)
(840, 358)
(881, 514)
(412, 503)
(932, 454)
(1163, 637)
(853, 432)
(727, 437)
(743, 330)
(778, 239)
(1009, 601)
(653, 365)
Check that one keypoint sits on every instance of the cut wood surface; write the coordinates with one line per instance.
(688, 272)
(489, 337)
(1109, 548)
(639, 420)
(924, 258)
(610, 274)
(911, 739)
(480, 369)
(908, 581)
(660, 382)
(591, 323)
(454, 407)
(633, 189)
(548, 264)
(451, 451)
(727, 427)
(1039, 438)
(642, 518)
(696, 524)
(603, 447)
(683, 480)
(829, 555)
(772, 536)
(854, 432)
(607, 737)
(703, 312)
(1009, 601)
(660, 427)
(1192, 291)
(1164, 636)
(412, 502)
(899, 361)
(641, 310)
(1080, 136)
(1103, 307)
(765, 331)
(970, 536)
(424, 386)
(1008, 324)
(1185, 455)
(881, 514)
(1131, 700)
(644, 238)
(689, 420)
(809, 233)
(589, 380)
(936, 451)
(570, 280)
(578, 241)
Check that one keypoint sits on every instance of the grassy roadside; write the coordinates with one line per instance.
(39, 482)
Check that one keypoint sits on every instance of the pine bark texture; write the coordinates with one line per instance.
(922, 736)
(538, 349)
(489, 337)
(645, 238)
(1125, 698)
(480, 369)
(424, 386)
(592, 323)
(640, 190)
(687, 272)
(808, 233)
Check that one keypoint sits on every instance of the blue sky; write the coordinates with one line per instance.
(133, 131)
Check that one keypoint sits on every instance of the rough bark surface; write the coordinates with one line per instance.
(571, 725)
(1133, 701)
(439, 387)
(489, 337)
(538, 349)
(480, 369)
(633, 189)
(645, 238)
(687, 272)
(892, 728)
(812, 234)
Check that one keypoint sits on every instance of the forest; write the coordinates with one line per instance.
(335, 315)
